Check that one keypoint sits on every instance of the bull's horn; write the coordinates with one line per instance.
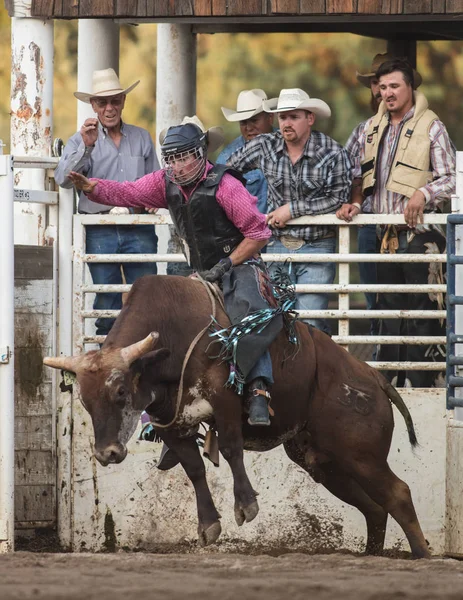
(67, 363)
(137, 350)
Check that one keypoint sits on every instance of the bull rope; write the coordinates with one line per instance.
(211, 291)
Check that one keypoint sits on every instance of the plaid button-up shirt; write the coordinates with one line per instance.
(317, 184)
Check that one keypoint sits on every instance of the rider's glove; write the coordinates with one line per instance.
(217, 271)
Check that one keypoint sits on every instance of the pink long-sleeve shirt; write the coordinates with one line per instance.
(150, 192)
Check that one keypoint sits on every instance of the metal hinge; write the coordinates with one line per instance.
(5, 355)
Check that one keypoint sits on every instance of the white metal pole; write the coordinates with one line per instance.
(6, 356)
(175, 86)
(98, 48)
(31, 115)
(64, 398)
(175, 75)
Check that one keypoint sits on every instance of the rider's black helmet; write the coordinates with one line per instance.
(183, 153)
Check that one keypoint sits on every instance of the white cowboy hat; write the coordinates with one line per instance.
(297, 99)
(105, 83)
(215, 136)
(248, 105)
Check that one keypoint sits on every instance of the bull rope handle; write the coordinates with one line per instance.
(210, 288)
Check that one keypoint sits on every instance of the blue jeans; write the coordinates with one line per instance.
(118, 239)
(305, 273)
(367, 244)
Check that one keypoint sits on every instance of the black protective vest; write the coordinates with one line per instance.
(201, 222)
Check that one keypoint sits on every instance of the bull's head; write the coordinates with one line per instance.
(109, 388)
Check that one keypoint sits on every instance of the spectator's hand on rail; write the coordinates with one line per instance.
(152, 211)
(119, 210)
(89, 132)
(277, 218)
(82, 183)
(413, 212)
(347, 211)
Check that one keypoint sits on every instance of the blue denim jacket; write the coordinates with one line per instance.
(256, 183)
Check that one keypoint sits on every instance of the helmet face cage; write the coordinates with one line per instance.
(184, 168)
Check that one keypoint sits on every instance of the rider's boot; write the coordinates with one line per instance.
(259, 398)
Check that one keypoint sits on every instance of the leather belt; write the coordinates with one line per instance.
(293, 243)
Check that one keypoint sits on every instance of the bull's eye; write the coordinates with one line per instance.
(120, 394)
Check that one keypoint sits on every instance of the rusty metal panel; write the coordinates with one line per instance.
(284, 6)
(454, 6)
(102, 8)
(417, 7)
(312, 7)
(37, 500)
(35, 462)
(34, 467)
(340, 6)
(203, 8)
(34, 434)
(380, 7)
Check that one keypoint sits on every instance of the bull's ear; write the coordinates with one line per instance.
(153, 357)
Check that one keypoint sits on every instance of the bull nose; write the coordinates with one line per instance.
(115, 453)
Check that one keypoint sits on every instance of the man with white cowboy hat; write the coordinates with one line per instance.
(107, 147)
(366, 234)
(253, 121)
(222, 233)
(308, 173)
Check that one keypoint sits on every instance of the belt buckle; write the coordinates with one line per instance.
(291, 243)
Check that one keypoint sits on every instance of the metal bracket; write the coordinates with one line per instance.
(5, 355)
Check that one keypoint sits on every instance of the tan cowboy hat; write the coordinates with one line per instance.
(248, 105)
(215, 136)
(378, 60)
(297, 99)
(105, 83)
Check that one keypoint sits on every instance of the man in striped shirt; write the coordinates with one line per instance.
(308, 173)
(407, 166)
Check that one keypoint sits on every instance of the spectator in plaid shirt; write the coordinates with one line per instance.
(308, 173)
(407, 166)
(366, 234)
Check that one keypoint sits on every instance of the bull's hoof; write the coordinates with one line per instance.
(209, 535)
(246, 514)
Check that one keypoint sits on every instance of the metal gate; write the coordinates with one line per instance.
(143, 508)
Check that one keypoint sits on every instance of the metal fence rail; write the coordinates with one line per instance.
(343, 288)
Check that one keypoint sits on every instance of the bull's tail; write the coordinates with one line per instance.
(397, 400)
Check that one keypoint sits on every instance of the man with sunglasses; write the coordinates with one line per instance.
(109, 148)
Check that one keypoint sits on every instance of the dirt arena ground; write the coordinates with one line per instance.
(26, 575)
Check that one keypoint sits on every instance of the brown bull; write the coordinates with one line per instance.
(332, 412)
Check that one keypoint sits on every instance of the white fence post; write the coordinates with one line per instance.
(6, 356)
(64, 398)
